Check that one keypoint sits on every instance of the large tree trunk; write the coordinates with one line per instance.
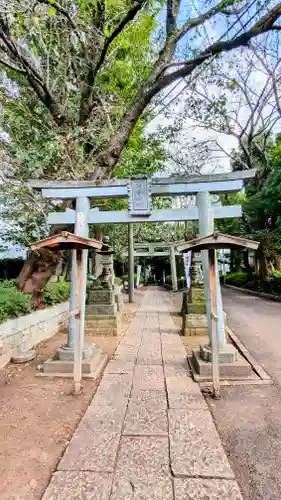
(247, 266)
(36, 272)
(263, 266)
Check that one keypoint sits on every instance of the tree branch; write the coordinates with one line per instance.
(87, 90)
(262, 26)
(171, 17)
(66, 14)
(34, 78)
(10, 65)
(197, 21)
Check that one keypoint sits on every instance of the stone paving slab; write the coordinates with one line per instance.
(148, 378)
(152, 323)
(183, 392)
(158, 398)
(100, 418)
(147, 415)
(150, 339)
(117, 366)
(159, 488)
(173, 350)
(95, 443)
(171, 338)
(126, 352)
(91, 452)
(176, 369)
(140, 458)
(173, 358)
(72, 485)
(166, 323)
(206, 489)
(113, 387)
(150, 355)
(133, 340)
(195, 446)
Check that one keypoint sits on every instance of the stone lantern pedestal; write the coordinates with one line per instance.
(193, 303)
(102, 316)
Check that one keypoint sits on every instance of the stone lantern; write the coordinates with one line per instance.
(102, 317)
(106, 259)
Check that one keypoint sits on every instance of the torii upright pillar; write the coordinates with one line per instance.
(173, 268)
(66, 352)
(131, 264)
(206, 227)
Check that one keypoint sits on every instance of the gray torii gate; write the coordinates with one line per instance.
(139, 192)
(159, 249)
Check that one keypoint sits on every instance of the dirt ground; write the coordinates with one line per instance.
(38, 417)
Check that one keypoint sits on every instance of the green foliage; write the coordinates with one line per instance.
(143, 154)
(54, 293)
(236, 279)
(8, 284)
(261, 206)
(13, 303)
(271, 285)
(38, 148)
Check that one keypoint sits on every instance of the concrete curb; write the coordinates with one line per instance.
(261, 295)
(264, 378)
(255, 366)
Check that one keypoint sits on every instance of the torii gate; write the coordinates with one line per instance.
(139, 192)
(159, 249)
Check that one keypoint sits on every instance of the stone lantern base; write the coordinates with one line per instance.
(232, 365)
(194, 312)
(102, 317)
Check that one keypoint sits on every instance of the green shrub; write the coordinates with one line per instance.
(54, 293)
(13, 303)
(118, 281)
(8, 284)
(273, 283)
(236, 279)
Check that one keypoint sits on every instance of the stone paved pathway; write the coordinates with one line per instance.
(148, 433)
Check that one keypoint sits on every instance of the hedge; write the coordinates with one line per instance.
(271, 285)
(14, 303)
(236, 279)
(54, 293)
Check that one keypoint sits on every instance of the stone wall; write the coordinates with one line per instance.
(20, 334)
